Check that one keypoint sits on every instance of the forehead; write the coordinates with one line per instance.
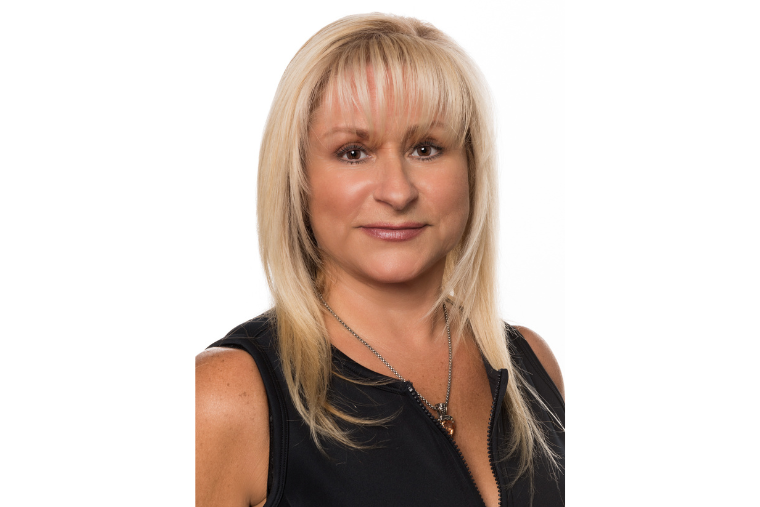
(364, 106)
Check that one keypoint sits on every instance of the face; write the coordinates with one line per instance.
(384, 209)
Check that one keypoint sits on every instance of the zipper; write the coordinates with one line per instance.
(416, 396)
(491, 423)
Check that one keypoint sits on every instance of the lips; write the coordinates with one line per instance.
(394, 232)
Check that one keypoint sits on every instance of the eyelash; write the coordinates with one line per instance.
(431, 144)
(346, 149)
(356, 147)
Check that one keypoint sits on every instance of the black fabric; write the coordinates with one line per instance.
(410, 461)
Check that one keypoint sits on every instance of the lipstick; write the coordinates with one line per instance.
(394, 232)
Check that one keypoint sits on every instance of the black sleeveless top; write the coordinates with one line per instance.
(409, 461)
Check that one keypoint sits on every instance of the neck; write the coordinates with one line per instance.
(393, 313)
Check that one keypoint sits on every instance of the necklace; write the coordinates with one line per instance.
(442, 408)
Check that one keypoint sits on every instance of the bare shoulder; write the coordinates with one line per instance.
(545, 356)
(231, 428)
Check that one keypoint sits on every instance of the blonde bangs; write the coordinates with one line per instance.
(397, 76)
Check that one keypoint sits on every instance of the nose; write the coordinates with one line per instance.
(394, 185)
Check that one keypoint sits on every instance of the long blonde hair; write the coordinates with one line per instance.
(423, 70)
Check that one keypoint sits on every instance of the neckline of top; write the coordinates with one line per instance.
(344, 361)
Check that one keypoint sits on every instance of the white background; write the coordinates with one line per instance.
(129, 138)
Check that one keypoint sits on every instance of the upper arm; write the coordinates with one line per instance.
(232, 430)
(545, 357)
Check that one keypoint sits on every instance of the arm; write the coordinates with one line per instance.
(232, 430)
(545, 356)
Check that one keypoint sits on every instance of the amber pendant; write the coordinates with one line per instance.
(446, 420)
(448, 424)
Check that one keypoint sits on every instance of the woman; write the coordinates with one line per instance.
(382, 376)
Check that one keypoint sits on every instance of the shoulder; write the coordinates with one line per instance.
(219, 371)
(545, 356)
(232, 429)
(228, 386)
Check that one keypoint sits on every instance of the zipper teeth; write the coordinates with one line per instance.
(451, 439)
(490, 432)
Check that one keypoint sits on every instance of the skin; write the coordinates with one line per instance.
(362, 182)
(382, 179)
(232, 430)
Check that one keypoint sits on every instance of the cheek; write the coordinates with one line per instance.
(322, 209)
(333, 205)
(461, 208)
(454, 200)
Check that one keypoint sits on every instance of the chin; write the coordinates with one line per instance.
(397, 273)
(392, 278)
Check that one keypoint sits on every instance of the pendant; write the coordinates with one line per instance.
(448, 424)
(445, 420)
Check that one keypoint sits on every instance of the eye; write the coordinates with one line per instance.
(352, 154)
(426, 150)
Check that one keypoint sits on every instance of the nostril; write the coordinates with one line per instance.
(395, 185)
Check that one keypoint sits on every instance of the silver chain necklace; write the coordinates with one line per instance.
(442, 408)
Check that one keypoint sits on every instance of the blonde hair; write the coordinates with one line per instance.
(423, 70)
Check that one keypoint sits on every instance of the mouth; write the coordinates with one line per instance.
(394, 232)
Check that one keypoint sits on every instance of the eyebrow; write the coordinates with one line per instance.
(364, 134)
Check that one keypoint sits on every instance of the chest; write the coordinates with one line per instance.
(471, 404)
(409, 460)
